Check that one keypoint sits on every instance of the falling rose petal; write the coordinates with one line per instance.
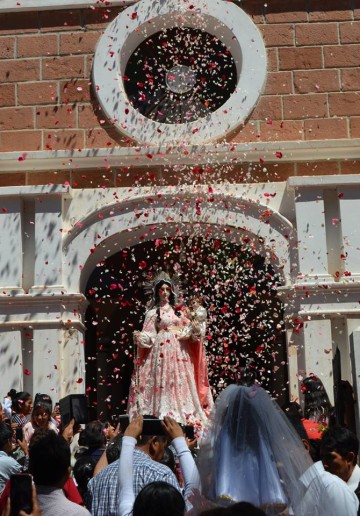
(340, 195)
(278, 154)
(79, 380)
(4, 210)
(27, 372)
(22, 157)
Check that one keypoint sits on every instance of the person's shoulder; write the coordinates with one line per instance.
(9, 461)
(146, 463)
(74, 509)
(106, 474)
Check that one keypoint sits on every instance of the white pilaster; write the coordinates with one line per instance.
(312, 246)
(11, 369)
(349, 213)
(295, 345)
(355, 362)
(48, 238)
(318, 358)
(72, 362)
(11, 243)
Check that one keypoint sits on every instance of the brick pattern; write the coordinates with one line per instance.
(312, 90)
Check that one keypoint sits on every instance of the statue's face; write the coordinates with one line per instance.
(164, 292)
(194, 304)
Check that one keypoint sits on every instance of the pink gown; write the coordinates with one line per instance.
(163, 383)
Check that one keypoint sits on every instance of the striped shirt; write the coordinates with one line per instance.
(103, 489)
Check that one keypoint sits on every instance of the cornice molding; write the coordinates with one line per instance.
(15, 6)
(235, 153)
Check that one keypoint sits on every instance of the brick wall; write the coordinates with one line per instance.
(312, 90)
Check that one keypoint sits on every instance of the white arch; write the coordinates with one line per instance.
(115, 225)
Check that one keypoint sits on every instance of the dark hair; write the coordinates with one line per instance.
(83, 470)
(315, 397)
(41, 406)
(49, 458)
(113, 449)
(5, 434)
(237, 509)
(341, 440)
(298, 426)
(94, 436)
(44, 399)
(172, 298)
(172, 293)
(314, 444)
(292, 408)
(169, 459)
(19, 400)
(159, 499)
(11, 393)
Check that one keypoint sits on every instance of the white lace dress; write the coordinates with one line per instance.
(163, 383)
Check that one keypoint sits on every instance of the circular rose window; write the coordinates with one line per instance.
(174, 85)
(176, 72)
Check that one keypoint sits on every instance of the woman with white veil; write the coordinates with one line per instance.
(251, 453)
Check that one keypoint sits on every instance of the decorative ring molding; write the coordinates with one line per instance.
(225, 21)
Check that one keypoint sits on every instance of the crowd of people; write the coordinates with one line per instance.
(246, 455)
(253, 458)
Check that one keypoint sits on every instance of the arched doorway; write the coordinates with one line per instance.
(244, 314)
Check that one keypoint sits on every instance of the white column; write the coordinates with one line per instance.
(295, 345)
(72, 362)
(11, 368)
(318, 352)
(11, 243)
(46, 364)
(355, 362)
(48, 242)
(349, 214)
(341, 331)
(310, 223)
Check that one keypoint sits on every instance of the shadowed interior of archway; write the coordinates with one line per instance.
(245, 326)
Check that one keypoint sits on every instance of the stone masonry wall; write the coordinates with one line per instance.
(312, 90)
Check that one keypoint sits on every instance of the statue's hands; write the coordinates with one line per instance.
(172, 428)
(136, 337)
(195, 328)
(135, 427)
(187, 313)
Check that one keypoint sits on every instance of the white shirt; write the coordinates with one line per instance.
(326, 494)
(187, 464)
(354, 480)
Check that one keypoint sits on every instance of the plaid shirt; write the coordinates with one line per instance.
(103, 489)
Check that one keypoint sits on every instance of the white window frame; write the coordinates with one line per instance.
(133, 25)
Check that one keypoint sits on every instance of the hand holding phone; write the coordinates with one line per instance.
(21, 494)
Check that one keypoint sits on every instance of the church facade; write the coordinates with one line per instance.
(252, 133)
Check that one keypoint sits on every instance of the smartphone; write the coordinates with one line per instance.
(74, 406)
(19, 434)
(20, 493)
(189, 431)
(154, 427)
(150, 426)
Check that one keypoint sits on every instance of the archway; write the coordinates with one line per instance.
(244, 314)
